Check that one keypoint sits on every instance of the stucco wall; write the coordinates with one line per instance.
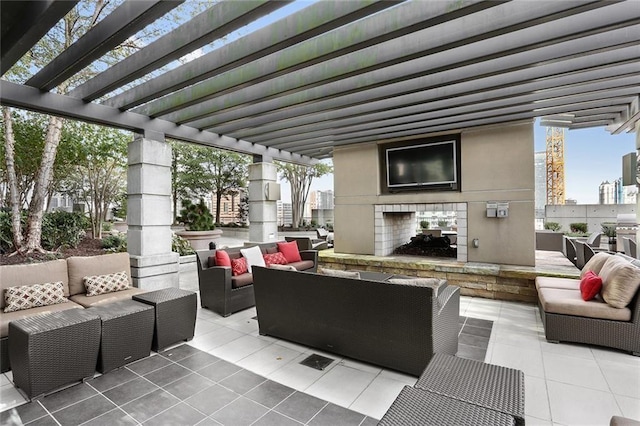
(496, 164)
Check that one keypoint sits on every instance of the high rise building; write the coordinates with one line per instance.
(615, 193)
(540, 183)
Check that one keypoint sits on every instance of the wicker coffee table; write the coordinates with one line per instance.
(416, 407)
(127, 332)
(490, 386)
(175, 315)
(55, 349)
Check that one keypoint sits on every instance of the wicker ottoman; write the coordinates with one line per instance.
(416, 407)
(52, 350)
(175, 312)
(490, 386)
(127, 331)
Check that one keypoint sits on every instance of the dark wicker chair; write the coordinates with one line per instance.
(216, 290)
(569, 250)
(392, 325)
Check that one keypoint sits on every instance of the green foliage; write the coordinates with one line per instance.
(115, 243)
(578, 227)
(196, 217)
(59, 229)
(107, 226)
(442, 223)
(609, 229)
(424, 224)
(63, 229)
(181, 246)
(552, 226)
(300, 178)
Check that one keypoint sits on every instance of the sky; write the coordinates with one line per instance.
(591, 156)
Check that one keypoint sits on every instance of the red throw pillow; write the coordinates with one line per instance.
(222, 258)
(590, 285)
(274, 259)
(239, 266)
(290, 251)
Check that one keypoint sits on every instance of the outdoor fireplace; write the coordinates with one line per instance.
(396, 224)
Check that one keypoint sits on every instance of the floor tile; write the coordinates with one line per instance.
(621, 379)
(84, 410)
(376, 399)
(177, 353)
(273, 418)
(477, 331)
(149, 364)
(630, 406)
(181, 414)
(471, 352)
(568, 349)
(198, 361)
(301, 407)
(215, 338)
(22, 414)
(368, 421)
(269, 359)
(332, 415)
(212, 399)
(240, 412)
(239, 348)
(188, 386)
(112, 379)
(533, 421)
(113, 417)
(45, 421)
(298, 376)
(536, 400)
(341, 385)
(605, 354)
(471, 340)
(168, 374)
(66, 397)
(242, 381)
(574, 371)
(244, 325)
(269, 393)
(527, 360)
(575, 405)
(130, 390)
(144, 408)
(219, 371)
(10, 397)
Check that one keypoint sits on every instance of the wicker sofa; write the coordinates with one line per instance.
(70, 272)
(397, 326)
(568, 318)
(224, 293)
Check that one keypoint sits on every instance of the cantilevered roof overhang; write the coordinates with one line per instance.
(341, 72)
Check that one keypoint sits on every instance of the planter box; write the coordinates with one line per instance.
(200, 240)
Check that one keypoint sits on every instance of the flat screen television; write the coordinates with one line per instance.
(430, 165)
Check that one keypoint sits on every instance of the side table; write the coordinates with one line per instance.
(52, 350)
(486, 385)
(127, 332)
(175, 313)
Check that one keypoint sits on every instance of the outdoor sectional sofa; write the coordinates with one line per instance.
(397, 326)
(70, 272)
(612, 319)
(225, 293)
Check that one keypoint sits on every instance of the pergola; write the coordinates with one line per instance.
(339, 72)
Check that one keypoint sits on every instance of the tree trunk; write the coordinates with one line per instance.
(43, 179)
(16, 225)
(218, 200)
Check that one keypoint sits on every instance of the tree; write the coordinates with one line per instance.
(198, 171)
(99, 176)
(300, 178)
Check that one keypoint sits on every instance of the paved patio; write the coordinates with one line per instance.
(566, 384)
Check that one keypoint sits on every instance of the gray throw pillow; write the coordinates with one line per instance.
(339, 273)
(434, 283)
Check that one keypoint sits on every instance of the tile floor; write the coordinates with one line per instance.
(565, 384)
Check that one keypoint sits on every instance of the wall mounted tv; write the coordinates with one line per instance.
(428, 164)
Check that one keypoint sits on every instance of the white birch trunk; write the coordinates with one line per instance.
(16, 226)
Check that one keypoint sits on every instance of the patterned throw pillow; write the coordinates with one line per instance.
(274, 259)
(33, 296)
(100, 284)
(239, 266)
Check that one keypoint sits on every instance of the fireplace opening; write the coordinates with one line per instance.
(437, 235)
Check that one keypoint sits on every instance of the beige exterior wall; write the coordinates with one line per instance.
(497, 165)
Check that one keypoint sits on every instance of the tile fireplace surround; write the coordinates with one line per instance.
(395, 224)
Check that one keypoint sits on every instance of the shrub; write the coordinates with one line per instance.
(552, 226)
(115, 243)
(196, 217)
(63, 229)
(578, 227)
(424, 224)
(6, 236)
(181, 246)
(609, 229)
(442, 223)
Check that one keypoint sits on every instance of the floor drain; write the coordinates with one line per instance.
(316, 361)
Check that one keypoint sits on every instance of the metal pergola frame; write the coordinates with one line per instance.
(341, 72)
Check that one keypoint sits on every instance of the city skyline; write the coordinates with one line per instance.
(592, 156)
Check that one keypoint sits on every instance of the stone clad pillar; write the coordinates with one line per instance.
(263, 195)
(153, 264)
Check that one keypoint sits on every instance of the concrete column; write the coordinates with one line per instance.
(263, 195)
(153, 264)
